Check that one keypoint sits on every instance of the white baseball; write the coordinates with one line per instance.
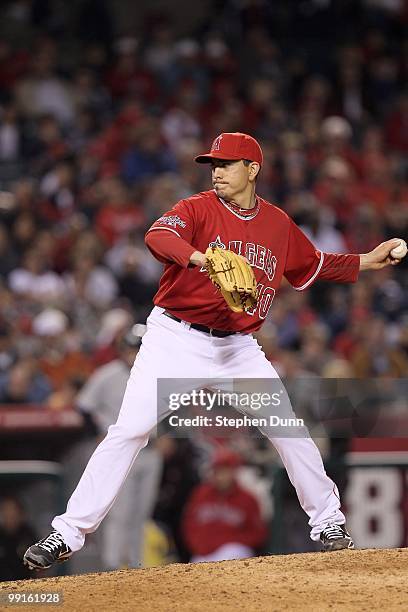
(399, 251)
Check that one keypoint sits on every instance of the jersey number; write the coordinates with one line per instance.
(265, 299)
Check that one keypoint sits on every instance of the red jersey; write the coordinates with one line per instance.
(213, 518)
(273, 244)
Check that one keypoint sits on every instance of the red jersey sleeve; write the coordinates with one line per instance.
(303, 260)
(304, 263)
(169, 237)
(169, 248)
(340, 268)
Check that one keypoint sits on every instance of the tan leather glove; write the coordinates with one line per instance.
(234, 277)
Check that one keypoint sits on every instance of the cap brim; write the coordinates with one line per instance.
(208, 157)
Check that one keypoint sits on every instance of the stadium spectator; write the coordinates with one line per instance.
(24, 384)
(221, 519)
(147, 155)
(118, 214)
(376, 355)
(35, 281)
(60, 357)
(15, 534)
(42, 90)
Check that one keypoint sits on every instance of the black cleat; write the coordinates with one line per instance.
(47, 551)
(335, 537)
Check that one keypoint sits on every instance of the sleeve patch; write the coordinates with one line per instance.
(172, 221)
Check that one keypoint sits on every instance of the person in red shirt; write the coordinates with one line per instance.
(118, 215)
(193, 335)
(221, 519)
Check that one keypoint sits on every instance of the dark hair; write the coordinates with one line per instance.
(246, 163)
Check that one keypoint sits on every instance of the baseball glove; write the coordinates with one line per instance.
(234, 277)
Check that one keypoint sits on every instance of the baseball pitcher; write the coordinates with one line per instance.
(225, 253)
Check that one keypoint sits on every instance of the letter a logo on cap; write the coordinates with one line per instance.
(216, 144)
(233, 146)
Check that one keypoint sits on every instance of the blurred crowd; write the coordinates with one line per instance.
(98, 129)
(97, 143)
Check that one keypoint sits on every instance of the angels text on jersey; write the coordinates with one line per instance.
(258, 256)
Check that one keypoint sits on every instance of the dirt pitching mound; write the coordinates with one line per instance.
(360, 580)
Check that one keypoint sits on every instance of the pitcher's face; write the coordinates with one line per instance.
(230, 178)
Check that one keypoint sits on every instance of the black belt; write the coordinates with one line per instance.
(217, 333)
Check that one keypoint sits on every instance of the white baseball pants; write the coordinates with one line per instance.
(175, 351)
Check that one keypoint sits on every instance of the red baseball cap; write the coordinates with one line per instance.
(231, 146)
